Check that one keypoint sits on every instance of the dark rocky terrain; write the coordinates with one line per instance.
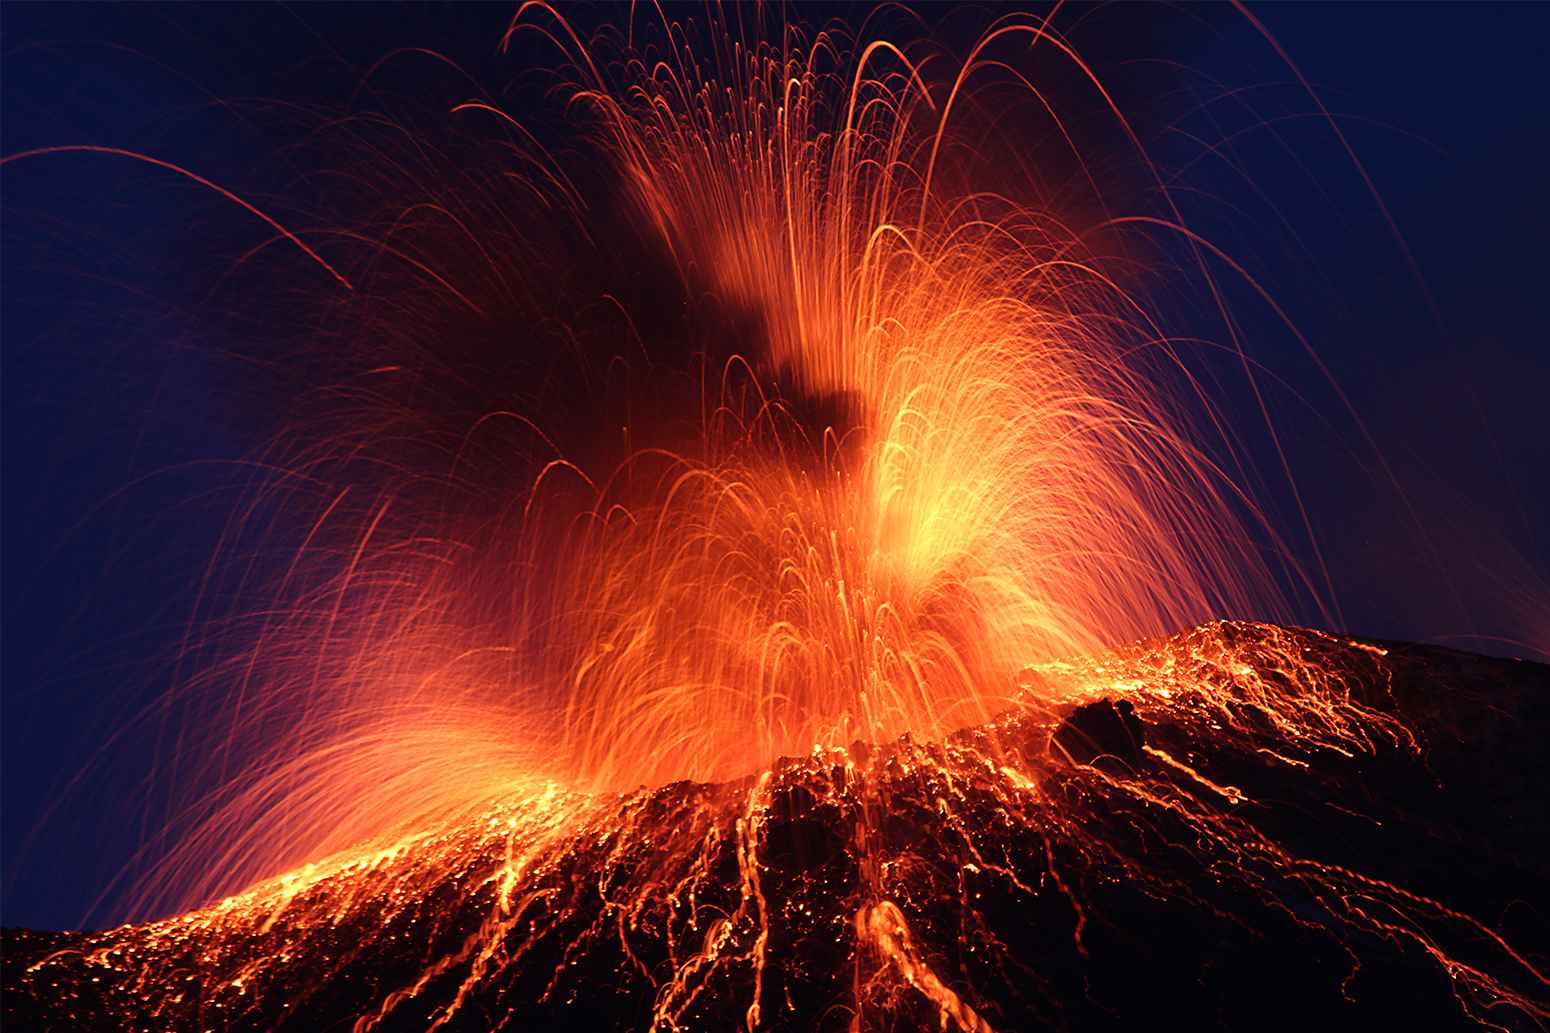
(1240, 827)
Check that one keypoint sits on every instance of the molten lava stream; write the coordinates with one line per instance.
(1228, 838)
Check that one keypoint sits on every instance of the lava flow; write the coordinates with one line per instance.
(811, 499)
(1270, 827)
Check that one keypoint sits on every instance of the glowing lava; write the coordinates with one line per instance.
(898, 434)
(1273, 851)
(768, 413)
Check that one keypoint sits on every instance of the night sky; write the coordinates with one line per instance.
(124, 422)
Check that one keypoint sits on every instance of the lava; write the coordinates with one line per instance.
(1281, 845)
(835, 427)
(741, 425)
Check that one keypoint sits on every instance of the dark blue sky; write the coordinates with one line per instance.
(123, 421)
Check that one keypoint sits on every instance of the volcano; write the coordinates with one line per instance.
(1238, 827)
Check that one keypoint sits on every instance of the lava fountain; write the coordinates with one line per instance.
(741, 421)
(903, 436)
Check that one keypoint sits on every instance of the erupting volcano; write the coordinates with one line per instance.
(722, 511)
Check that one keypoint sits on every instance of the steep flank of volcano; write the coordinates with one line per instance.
(1240, 827)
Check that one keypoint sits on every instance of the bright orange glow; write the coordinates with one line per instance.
(763, 633)
(939, 453)
(680, 882)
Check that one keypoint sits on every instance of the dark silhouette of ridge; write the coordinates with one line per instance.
(1250, 828)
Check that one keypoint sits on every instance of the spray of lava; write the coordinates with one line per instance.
(934, 460)
(897, 431)
(881, 424)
